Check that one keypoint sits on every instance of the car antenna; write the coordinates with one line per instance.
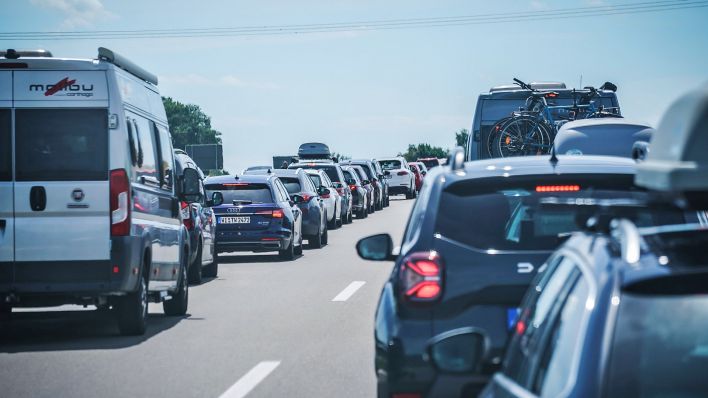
(554, 158)
(235, 176)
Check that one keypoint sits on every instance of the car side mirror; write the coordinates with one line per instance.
(376, 248)
(458, 351)
(189, 190)
(387, 173)
(217, 199)
(297, 199)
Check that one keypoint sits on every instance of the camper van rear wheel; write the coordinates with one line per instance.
(132, 310)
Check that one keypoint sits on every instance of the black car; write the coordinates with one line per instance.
(200, 223)
(381, 175)
(373, 177)
(474, 240)
(360, 194)
(314, 219)
(334, 172)
(257, 215)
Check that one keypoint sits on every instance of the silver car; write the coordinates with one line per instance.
(331, 199)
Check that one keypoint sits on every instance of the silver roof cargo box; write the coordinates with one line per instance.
(677, 161)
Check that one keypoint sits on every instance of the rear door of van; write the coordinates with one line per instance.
(61, 192)
(7, 220)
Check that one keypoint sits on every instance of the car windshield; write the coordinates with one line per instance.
(660, 347)
(509, 215)
(241, 192)
(390, 164)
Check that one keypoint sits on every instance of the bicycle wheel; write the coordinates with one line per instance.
(522, 136)
(493, 132)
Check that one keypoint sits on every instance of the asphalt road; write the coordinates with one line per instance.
(263, 328)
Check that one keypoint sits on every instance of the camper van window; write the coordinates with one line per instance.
(5, 142)
(147, 172)
(48, 148)
(166, 159)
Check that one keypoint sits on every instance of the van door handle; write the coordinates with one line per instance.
(38, 198)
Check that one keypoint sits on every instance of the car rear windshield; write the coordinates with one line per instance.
(5, 146)
(660, 347)
(348, 175)
(390, 164)
(292, 184)
(494, 214)
(496, 109)
(316, 180)
(429, 163)
(330, 170)
(61, 144)
(242, 192)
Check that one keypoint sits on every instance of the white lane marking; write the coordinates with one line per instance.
(349, 291)
(250, 380)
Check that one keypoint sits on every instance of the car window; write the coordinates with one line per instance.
(61, 144)
(292, 184)
(361, 173)
(147, 172)
(326, 181)
(256, 193)
(315, 180)
(390, 164)
(166, 157)
(557, 356)
(417, 215)
(660, 347)
(5, 145)
(537, 312)
(495, 109)
(510, 214)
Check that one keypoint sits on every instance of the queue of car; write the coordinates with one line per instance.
(580, 274)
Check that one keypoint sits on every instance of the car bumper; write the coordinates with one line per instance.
(398, 190)
(252, 241)
(38, 283)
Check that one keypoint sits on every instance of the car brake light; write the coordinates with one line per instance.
(421, 276)
(186, 212)
(557, 188)
(306, 197)
(119, 202)
(235, 184)
(402, 173)
(278, 213)
(352, 187)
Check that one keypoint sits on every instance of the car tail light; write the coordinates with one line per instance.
(119, 202)
(306, 197)
(278, 213)
(421, 276)
(352, 187)
(186, 211)
(402, 173)
(557, 188)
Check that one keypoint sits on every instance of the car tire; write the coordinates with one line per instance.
(288, 254)
(298, 248)
(350, 218)
(177, 305)
(333, 224)
(315, 241)
(132, 310)
(195, 269)
(325, 236)
(212, 270)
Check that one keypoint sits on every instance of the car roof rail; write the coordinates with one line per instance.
(127, 65)
(627, 234)
(457, 159)
(11, 53)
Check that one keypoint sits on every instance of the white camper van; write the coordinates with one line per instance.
(88, 198)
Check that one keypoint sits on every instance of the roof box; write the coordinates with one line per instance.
(677, 161)
(313, 150)
(591, 137)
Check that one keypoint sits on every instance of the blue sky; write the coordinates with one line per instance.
(372, 93)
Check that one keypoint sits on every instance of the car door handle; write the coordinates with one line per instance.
(38, 198)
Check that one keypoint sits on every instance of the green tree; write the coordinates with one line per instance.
(415, 152)
(340, 156)
(189, 124)
(461, 138)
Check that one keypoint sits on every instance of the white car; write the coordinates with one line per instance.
(331, 199)
(401, 180)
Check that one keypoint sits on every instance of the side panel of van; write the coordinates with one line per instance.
(61, 189)
(7, 221)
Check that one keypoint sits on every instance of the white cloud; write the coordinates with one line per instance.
(538, 5)
(78, 13)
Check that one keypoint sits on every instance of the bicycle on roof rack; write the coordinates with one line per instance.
(532, 129)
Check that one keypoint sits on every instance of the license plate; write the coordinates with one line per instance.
(234, 220)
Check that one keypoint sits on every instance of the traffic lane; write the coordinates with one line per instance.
(258, 309)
